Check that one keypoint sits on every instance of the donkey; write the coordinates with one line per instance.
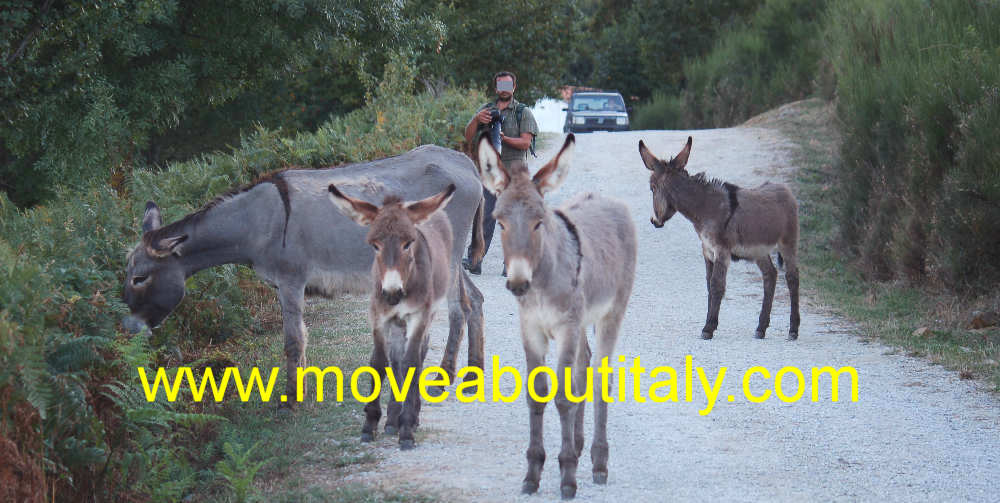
(569, 268)
(411, 273)
(733, 224)
(283, 227)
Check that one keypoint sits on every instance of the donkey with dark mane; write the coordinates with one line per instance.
(411, 274)
(569, 268)
(733, 224)
(284, 228)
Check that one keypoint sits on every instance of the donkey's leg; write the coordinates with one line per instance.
(474, 317)
(717, 290)
(412, 359)
(606, 336)
(708, 281)
(770, 278)
(535, 347)
(396, 341)
(580, 380)
(568, 339)
(792, 278)
(456, 325)
(373, 409)
(292, 299)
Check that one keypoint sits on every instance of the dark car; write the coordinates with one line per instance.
(596, 111)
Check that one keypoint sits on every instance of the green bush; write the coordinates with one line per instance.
(771, 59)
(71, 402)
(918, 100)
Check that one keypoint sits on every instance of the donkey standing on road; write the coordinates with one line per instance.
(284, 228)
(733, 224)
(411, 273)
(569, 268)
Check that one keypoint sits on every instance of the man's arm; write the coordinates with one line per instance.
(481, 117)
(521, 143)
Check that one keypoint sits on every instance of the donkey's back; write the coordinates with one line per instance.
(766, 217)
(608, 247)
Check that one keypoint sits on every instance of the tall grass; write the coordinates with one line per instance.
(773, 58)
(73, 423)
(919, 100)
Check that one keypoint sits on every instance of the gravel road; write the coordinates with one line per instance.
(917, 432)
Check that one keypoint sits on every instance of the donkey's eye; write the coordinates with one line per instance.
(538, 225)
(375, 245)
(408, 244)
(500, 224)
(138, 280)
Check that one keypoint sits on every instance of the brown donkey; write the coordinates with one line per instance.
(569, 268)
(412, 272)
(733, 224)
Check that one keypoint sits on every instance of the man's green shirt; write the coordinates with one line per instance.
(514, 130)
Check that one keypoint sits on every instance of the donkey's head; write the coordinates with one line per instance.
(392, 232)
(520, 209)
(154, 277)
(660, 180)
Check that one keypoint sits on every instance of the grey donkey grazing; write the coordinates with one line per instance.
(733, 224)
(569, 268)
(283, 227)
(411, 276)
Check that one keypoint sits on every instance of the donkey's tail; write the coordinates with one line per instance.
(781, 260)
(478, 247)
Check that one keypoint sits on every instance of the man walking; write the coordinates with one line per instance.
(517, 135)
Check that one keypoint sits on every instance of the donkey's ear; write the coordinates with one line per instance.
(491, 170)
(421, 210)
(682, 158)
(553, 174)
(151, 218)
(360, 211)
(651, 161)
(167, 246)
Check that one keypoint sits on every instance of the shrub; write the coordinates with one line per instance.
(918, 99)
(71, 411)
(771, 59)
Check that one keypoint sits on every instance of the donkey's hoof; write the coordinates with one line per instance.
(759, 334)
(406, 445)
(792, 336)
(367, 437)
(600, 478)
(529, 487)
(568, 492)
(706, 335)
(391, 430)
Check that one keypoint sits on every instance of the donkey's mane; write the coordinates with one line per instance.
(703, 179)
(275, 178)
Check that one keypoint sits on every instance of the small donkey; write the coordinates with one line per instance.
(733, 224)
(412, 272)
(569, 268)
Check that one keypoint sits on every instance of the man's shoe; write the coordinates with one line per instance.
(477, 269)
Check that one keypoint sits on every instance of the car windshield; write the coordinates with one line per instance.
(602, 102)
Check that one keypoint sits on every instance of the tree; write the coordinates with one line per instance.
(87, 86)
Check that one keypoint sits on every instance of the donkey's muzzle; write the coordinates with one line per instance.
(518, 288)
(655, 223)
(133, 325)
(392, 298)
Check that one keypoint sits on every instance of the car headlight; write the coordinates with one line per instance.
(579, 120)
(621, 121)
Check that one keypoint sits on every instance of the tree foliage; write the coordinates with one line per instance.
(94, 88)
(535, 39)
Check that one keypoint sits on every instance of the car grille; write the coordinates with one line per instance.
(600, 121)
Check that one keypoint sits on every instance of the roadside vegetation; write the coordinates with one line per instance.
(75, 424)
(106, 106)
(922, 320)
